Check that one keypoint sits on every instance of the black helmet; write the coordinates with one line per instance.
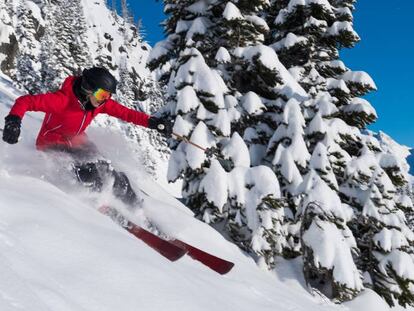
(96, 77)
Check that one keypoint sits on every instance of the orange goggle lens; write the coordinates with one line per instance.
(102, 95)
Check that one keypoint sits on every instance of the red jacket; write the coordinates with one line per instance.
(65, 121)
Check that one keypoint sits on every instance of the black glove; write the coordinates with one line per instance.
(162, 125)
(11, 130)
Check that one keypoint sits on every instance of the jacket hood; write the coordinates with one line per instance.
(72, 87)
(68, 85)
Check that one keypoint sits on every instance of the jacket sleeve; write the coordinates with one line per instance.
(119, 111)
(50, 102)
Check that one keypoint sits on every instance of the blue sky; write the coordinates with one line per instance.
(386, 52)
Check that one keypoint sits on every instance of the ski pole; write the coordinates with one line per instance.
(210, 152)
(186, 140)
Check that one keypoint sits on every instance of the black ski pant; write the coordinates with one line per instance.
(94, 172)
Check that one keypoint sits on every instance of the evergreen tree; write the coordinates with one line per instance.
(28, 31)
(71, 50)
(291, 156)
(48, 58)
(307, 36)
(262, 86)
(64, 50)
(141, 30)
(328, 245)
(8, 41)
(383, 237)
(125, 93)
(126, 15)
(79, 47)
(210, 107)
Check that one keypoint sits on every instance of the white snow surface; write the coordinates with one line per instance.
(58, 253)
(223, 56)
(232, 12)
(339, 27)
(289, 41)
(237, 150)
(359, 77)
(332, 251)
(195, 72)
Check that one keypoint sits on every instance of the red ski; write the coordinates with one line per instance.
(169, 250)
(215, 263)
(172, 249)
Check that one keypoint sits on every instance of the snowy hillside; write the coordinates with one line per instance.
(290, 172)
(59, 253)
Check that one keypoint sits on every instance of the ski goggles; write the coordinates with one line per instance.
(101, 95)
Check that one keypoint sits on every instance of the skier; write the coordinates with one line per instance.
(69, 111)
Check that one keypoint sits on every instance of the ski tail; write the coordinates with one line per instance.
(169, 250)
(215, 263)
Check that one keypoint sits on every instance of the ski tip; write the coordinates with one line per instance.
(224, 269)
(215, 263)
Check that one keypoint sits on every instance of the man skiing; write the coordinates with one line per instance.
(69, 111)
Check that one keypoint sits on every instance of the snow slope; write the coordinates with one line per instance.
(58, 253)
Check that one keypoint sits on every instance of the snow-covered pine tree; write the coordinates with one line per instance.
(307, 36)
(298, 32)
(375, 186)
(48, 58)
(195, 93)
(287, 151)
(126, 14)
(254, 75)
(383, 236)
(327, 242)
(61, 45)
(79, 46)
(126, 96)
(206, 110)
(8, 41)
(141, 29)
(263, 87)
(71, 49)
(30, 27)
(125, 88)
